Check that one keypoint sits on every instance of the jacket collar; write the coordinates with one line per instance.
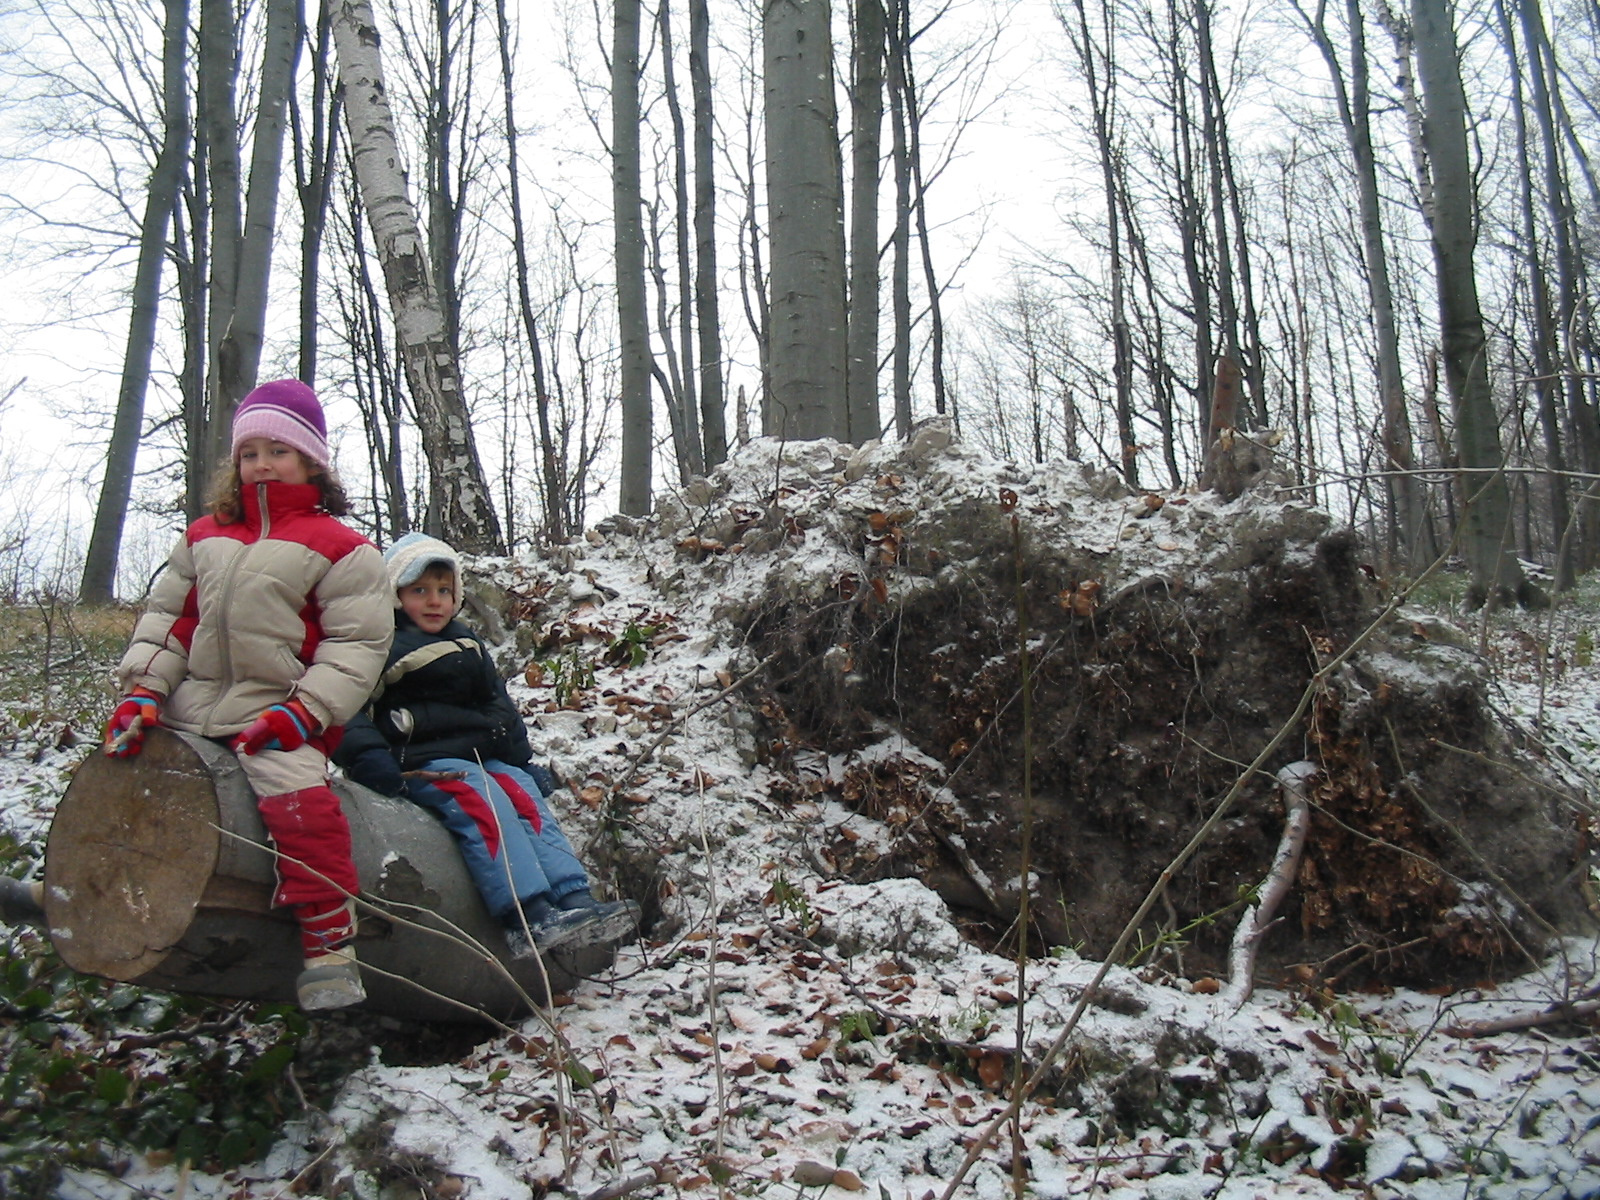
(405, 625)
(282, 500)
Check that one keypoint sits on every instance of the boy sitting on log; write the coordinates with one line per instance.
(441, 730)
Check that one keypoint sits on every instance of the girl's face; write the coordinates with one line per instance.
(262, 460)
(430, 602)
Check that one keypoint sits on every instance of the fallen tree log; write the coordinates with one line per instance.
(158, 873)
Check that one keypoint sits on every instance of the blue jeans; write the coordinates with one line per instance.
(506, 831)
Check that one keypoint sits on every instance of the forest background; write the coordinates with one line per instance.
(622, 236)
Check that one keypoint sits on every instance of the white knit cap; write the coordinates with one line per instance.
(413, 554)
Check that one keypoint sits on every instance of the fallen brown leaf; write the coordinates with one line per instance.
(815, 1049)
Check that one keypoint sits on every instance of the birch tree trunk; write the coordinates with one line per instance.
(99, 579)
(466, 518)
(805, 216)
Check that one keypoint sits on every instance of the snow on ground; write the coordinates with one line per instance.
(781, 1032)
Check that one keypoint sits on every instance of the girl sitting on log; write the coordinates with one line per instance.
(267, 630)
(442, 731)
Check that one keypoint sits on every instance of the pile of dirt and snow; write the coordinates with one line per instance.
(788, 705)
(1169, 640)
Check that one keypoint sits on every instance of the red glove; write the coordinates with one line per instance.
(284, 726)
(124, 735)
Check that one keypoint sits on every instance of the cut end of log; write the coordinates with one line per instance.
(127, 861)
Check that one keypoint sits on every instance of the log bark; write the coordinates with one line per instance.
(158, 873)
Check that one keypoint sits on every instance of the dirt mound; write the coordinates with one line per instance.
(1169, 638)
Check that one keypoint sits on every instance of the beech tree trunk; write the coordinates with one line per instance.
(713, 422)
(157, 873)
(628, 228)
(805, 216)
(866, 141)
(1486, 543)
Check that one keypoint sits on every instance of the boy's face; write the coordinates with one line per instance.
(430, 602)
(262, 460)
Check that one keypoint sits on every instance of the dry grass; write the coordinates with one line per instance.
(56, 659)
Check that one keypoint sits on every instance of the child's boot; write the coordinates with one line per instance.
(21, 902)
(552, 926)
(613, 919)
(519, 934)
(331, 978)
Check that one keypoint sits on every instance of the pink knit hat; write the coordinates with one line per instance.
(286, 411)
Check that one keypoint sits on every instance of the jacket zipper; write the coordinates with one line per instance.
(224, 636)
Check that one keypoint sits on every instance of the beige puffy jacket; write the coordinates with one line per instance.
(286, 602)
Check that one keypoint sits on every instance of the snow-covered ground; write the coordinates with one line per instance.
(783, 1033)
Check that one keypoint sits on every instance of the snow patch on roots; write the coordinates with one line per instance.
(894, 916)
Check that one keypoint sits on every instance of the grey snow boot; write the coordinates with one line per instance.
(21, 902)
(330, 981)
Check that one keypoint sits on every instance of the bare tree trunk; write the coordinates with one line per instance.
(316, 150)
(239, 352)
(686, 392)
(805, 213)
(555, 529)
(1098, 64)
(467, 518)
(377, 385)
(216, 65)
(1572, 281)
(98, 584)
(713, 420)
(632, 320)
(1497, 575)
(930, 279)
(1546, 341)
(866, 141)
(1408, 508)
(900, 266)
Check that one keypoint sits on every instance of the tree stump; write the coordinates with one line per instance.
(158, 873)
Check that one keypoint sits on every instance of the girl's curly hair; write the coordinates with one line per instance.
(226, 506)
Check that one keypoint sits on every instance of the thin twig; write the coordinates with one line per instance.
(1555, 1015)
(624, 1187)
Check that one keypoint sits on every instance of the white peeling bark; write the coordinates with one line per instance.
(466, 516)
